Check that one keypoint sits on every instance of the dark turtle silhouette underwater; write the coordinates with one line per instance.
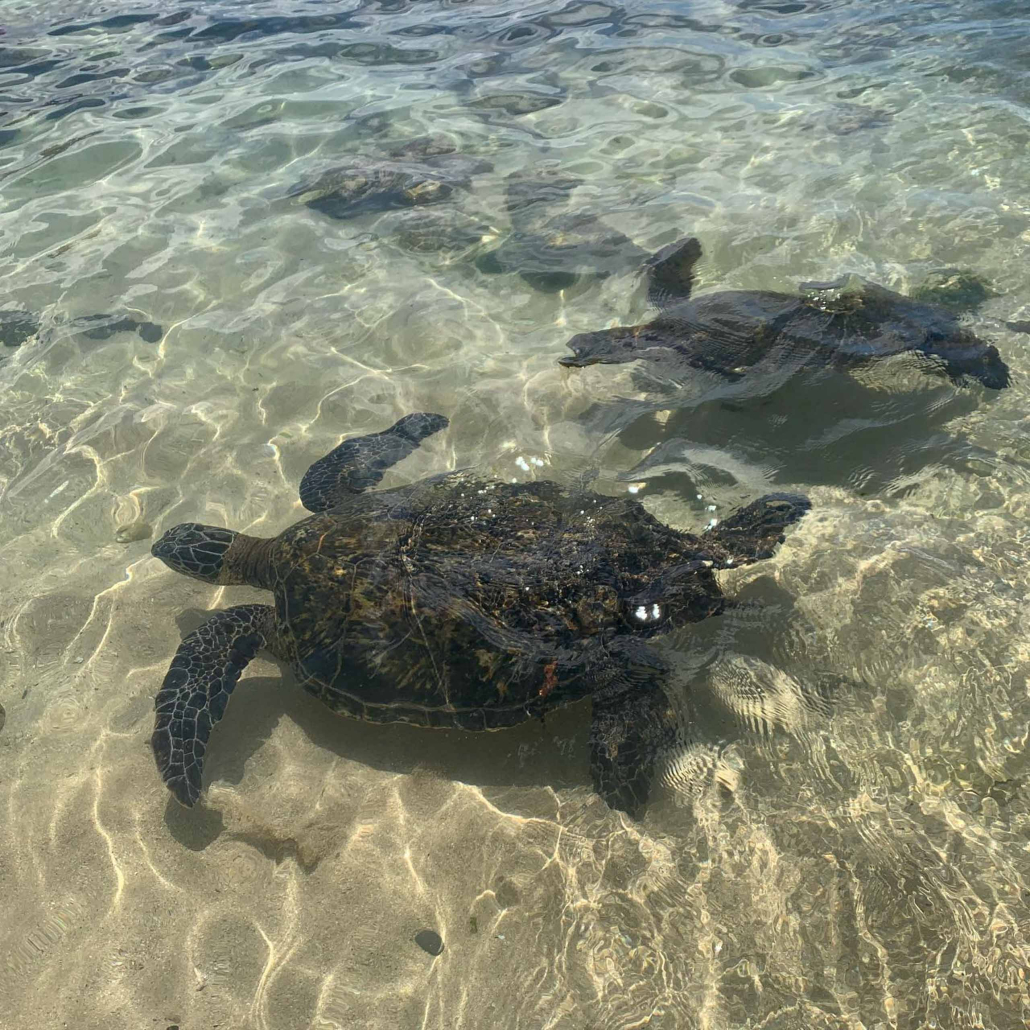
(456, 602)
(18, 326)
(425, 170)
(842, 324)
(550, 247)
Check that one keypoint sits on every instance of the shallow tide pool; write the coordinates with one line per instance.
(840, 840)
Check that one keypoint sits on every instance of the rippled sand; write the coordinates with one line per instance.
(842, 840)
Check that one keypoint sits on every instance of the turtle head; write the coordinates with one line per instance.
(614, 346)
(196, 550)
(982, 362)
(604, 346)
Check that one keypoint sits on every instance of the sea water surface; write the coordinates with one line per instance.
(842, 839)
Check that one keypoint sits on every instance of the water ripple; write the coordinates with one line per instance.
(839, 840)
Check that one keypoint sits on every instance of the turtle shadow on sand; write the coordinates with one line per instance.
(551, 751)
(827, 429)
(544, 752)
(396, 747)
(464, 756)
(457, 602)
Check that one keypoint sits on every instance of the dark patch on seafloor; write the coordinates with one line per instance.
(429, 941)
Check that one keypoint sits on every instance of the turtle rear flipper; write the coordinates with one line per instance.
(196, 690)
(358, 463)
(751, 533)
(670, 272)
(632, 729)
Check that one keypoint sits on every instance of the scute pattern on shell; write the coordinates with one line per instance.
(471, 602)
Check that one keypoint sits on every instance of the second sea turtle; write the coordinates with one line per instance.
(550, 246)
(842, 324)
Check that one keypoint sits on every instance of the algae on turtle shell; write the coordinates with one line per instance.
(458, 602)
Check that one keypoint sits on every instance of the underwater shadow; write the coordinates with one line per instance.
(540, 753)
(823, 428)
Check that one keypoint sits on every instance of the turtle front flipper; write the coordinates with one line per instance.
(196, 690)
(360, 462)
(751, 533)
(633, 727)
(670, 272)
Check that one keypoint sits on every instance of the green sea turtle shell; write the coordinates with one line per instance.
(458, 602)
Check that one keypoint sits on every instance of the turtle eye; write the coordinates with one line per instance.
(646, 614)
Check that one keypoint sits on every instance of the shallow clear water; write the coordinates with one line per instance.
(842, 839)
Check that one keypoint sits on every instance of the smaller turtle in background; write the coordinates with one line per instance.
(955, 288)
(422, 171)
(550, 247)
(18, 327)
(843, 324)
(457, 602)
(436, 231)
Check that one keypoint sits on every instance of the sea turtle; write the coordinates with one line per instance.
(425, 170)
(18, 327)
(555, 256)
(456, 601)
(841, 324)
(550, 247)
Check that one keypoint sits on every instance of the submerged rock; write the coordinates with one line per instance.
(429, 941)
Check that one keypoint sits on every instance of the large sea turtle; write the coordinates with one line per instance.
(424, 170)
(458, 602)
(841, 324)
